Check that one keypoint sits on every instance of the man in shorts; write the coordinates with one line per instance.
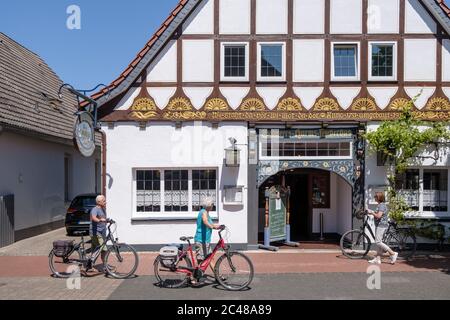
(97, 230)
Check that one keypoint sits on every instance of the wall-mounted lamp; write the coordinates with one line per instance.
(232, 154)
(178, 125)
(142, 126)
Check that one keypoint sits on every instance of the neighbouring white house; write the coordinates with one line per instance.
(232, 97)
(40, 169)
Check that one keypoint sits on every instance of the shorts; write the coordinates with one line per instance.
(201, 248)
(98, 241)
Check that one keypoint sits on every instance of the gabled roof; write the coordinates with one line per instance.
(148, 53)
(440, 11)
(437, 7)
(29, 94)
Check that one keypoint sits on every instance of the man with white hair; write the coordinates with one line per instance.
(97, 229)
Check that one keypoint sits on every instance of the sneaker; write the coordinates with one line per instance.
(376, 260)
(394, 258)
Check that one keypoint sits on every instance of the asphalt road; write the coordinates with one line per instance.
(322, 286)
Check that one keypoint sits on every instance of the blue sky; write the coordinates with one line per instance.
(112, 33)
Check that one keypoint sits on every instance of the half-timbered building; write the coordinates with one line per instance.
(230, 97)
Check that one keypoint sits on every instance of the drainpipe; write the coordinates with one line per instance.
(104, 145)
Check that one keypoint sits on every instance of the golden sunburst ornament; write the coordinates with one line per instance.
(364, 104)
(216, 104)
(289, 104)
(326, 104)
(398, 104)
(438, 104)
(252, 104)
(144, 104)
(180, 104)
(144, 109)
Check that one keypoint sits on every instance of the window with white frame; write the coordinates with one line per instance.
(305, 144)
(383, 61)
(173, 191)
(148, 191)
(425, 190)
(204, 185)
(234, 61)
(271, 61)
(345, 61)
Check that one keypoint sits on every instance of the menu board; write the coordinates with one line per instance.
(277, 213)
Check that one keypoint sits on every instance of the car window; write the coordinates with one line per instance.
(83, 202)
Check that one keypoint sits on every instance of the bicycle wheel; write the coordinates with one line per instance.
(172, 277)
(355, 244)
(403, 242)
(234, 271)
(65, 267)
(121, 261)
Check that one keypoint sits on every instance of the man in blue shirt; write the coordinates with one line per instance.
(97, 229)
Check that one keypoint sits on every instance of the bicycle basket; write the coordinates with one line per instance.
(62, 248)
(169, 256)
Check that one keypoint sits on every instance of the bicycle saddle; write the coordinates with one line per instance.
(186, 238)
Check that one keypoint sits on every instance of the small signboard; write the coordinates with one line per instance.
(277, 213)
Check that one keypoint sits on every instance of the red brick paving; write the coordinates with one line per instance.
(264, 262)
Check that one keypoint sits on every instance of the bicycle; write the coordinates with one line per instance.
(119, 257)
(356, 244)
(233, 271)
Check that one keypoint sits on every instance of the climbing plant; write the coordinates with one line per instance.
(402, 142)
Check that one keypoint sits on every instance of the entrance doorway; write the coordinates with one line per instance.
(313, 192)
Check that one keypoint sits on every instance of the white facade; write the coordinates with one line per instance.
(33, 171)
(194, 146)
(310, 53)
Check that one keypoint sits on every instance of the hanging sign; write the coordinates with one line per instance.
(84, 134)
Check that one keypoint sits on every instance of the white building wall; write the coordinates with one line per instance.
(33, 170)
(271, 16)
(417, 19)
(346, 16)
(235, 16)
(201, 21)
(164, 67)
(383, 16)
(309, 16)
(309, 60)
(446, 60)
(161, 146)
(198, 60)
(420, 59)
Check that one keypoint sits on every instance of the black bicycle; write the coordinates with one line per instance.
(356, 244)
(66, 258)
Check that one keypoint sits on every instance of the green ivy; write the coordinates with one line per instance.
(401, 141)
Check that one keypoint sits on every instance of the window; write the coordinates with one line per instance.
(408, 186)
(204, 184)
(271, 62)
(383, 61)
(148, 191)
(173, 193)
(234, 62)
(425, 190)
(306, 144)
(435, 190)
(345, 62)
(176, 191)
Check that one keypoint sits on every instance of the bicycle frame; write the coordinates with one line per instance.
(205, 263)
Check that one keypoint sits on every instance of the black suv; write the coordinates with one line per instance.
(78, 215)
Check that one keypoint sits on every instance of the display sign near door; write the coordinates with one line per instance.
(277, 226)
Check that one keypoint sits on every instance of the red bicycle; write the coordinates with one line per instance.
(176, 265)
